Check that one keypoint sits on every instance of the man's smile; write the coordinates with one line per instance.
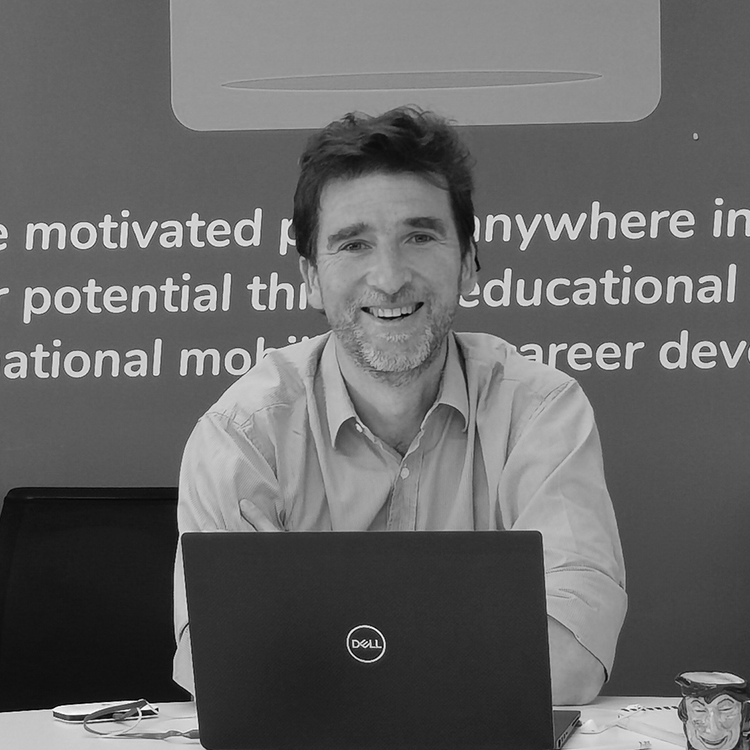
(393, 313)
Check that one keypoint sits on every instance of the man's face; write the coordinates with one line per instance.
(713, 726)
(388, 269)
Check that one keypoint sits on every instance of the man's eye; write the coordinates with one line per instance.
(354, 246)
(421, 239)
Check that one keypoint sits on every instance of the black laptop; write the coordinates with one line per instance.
(371, 641)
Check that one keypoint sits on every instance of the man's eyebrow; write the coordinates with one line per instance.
(427, 222)
(347, 232)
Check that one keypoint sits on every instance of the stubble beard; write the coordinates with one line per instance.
(405, 356)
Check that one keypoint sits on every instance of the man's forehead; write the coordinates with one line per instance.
(375, 199)
(436, 223)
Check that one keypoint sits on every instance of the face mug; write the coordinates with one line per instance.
(714, 710)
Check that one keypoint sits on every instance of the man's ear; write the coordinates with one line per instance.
(309, 272)
(468, 271)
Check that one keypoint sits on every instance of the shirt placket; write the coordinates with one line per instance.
(402, 513)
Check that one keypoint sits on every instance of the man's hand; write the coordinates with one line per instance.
(256, 517)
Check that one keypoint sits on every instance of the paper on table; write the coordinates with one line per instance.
(662, 725)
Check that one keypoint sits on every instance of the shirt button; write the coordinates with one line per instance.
(404, 473)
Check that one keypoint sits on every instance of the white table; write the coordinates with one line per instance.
(602, 711)
(37, 730)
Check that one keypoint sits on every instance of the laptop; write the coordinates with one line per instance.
(371, 641)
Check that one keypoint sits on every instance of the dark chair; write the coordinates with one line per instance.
(86, 596)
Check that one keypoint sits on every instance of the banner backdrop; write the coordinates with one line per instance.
(146, 258)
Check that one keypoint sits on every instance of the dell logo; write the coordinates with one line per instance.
(365, 643)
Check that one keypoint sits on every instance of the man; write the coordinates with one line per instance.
(392, 421)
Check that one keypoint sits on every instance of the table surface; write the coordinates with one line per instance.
(32, 730)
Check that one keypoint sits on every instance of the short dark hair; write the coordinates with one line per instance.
(403, 140)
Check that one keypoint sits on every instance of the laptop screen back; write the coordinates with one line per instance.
(358, 641)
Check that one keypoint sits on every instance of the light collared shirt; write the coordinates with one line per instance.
(508, 444)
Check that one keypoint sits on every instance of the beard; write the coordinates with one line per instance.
(393, 356)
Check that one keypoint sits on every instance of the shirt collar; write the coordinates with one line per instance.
(339, 407)
(453, 389)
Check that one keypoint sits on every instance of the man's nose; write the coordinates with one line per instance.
(390, 271)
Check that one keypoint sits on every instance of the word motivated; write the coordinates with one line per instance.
(120, 235)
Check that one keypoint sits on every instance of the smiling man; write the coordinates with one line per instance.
(387, 271)
(393, 421)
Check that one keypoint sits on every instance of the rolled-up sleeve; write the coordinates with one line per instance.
(553, 481)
